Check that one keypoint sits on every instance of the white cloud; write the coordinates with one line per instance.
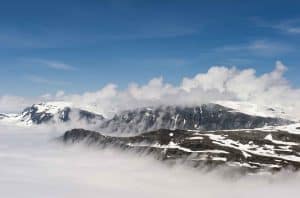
(213, 79)
(258, 47)
(60, 94)
(58, 65)
(219, 83)
(54, 64)
(31, 166)
(290, 26)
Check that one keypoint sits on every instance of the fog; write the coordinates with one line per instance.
(33, 165)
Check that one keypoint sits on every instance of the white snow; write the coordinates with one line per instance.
(173, 145)
(219, 159)
(254, 109)
(52, 107)
(24, 121)
(248, 149)
(195, 138)
(291, 128)
(270, 138)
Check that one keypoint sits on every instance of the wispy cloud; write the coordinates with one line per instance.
(54, 64)
(42, 80)
(258, 47)
(290, 26)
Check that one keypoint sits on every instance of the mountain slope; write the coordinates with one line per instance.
(251, 150)
(51, 112)
(205, 117)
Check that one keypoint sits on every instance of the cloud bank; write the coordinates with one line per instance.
(219, 83)
(31, 166)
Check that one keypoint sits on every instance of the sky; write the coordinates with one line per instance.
(79, 46)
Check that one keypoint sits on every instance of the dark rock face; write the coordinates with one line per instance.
(204, 117)
(251, 150)
(2, 116)
(38, 117)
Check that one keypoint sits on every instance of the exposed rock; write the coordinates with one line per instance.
(51, 113)
(251, 150)
(205, 117)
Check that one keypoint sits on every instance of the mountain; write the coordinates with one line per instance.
(205, 117)
(2, 116)
(208, 134)
(251, 150)
(50, 112)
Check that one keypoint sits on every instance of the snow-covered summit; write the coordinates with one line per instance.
(221, 115)
(206, 117)
(46, 112)
(256, 109)
(52, 107)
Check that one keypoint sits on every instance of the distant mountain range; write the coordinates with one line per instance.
(204, 117)
(209, 134)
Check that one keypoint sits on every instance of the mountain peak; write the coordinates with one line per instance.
(50, 112)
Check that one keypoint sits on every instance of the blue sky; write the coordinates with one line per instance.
(79, 46)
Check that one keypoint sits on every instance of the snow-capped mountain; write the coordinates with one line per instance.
(211, 134)
(251, 150)
(50, 112)
(205, 118)
(256, 110)
(2, 116)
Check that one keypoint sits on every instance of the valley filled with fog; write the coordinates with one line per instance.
(34, 164)
(149, 99)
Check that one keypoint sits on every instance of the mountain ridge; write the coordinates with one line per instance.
(203, 117)
(253, 150)
(51, 112)
(199, 117)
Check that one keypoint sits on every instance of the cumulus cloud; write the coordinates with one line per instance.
(218, 83)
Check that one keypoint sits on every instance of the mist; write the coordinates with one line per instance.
(32, 165)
